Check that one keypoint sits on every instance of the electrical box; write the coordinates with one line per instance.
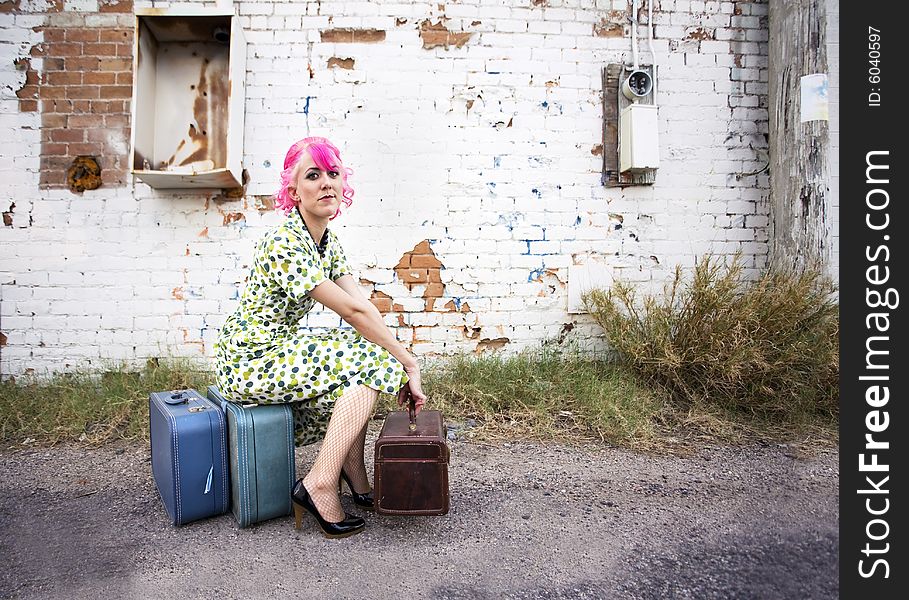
(639, 148)
(188, 98)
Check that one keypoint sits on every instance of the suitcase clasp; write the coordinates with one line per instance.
(196, 408)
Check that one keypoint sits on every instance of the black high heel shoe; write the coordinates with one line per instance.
(365, 501)
(302, 500)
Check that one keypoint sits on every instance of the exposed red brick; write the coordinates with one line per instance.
(83, 92)
(348, 35)
(67, 135)
(115, 35)
(434, 35)
(77, 34)
(100, 49)
(63, 78)
(233, 217)
(428, 261)
(9, 6)
(341, 63)
(100, 78)
(114, 64)
(381, 300)
(115, 6)
(434, 290)
(116, 91)
(597, 150)
(414, 276)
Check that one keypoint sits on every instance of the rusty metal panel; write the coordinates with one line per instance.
(189, 98)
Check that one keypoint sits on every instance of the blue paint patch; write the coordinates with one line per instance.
(266, 164)
(536, 193)
(306, 106)
(577, 221)
(535, 275)
(493, 72)
(457, 302)
(544, 232)
(528, 246)
(492, 187)
(545, 104)
(496, 161)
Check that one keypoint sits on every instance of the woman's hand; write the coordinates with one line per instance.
(416, 387)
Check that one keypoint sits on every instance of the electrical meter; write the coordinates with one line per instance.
(637, 85)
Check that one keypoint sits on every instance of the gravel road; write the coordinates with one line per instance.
(527, 521)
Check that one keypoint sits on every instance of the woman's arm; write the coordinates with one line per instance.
(345, 298)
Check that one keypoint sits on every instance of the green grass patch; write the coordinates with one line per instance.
(90, 407)
(542, 394)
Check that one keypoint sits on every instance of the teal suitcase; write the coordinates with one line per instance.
(260, 446)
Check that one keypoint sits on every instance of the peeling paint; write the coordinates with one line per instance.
(351, 36)
(234, 217)
(563, 333)
(471, 333)
(203, 233)
(177, 293)
(491, 344)
(264, 204)
(381, 301)
(8, 215)
(597, 150)
(341, 63)
(436, 35)
(699, 33)
(612, 25)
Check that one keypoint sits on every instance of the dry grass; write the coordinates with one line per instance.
(741, 358)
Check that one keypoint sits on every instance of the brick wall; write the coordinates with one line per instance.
(474, 131)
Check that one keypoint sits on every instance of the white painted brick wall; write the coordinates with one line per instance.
(507, 191)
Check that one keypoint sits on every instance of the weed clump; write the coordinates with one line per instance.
(768, 347)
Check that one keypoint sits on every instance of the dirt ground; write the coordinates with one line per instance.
(527, 521)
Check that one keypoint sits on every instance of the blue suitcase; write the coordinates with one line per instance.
(189, 457)
(261, 450)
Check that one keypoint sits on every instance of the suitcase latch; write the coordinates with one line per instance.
(197, 408)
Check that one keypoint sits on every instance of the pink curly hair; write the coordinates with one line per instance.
(326, 156)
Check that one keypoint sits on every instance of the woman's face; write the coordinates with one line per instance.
(317, 192)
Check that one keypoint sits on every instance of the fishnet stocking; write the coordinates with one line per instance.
(348, 419)
(355, 466)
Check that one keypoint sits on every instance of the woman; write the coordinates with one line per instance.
(265, 355)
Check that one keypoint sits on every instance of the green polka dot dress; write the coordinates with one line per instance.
(264, 353)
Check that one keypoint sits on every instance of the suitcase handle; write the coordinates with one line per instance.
(404, 394)
(176, 397)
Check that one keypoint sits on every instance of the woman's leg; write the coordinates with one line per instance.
(355, 466)
(348, 419)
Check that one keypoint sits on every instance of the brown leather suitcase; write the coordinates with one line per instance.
(411, 463)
